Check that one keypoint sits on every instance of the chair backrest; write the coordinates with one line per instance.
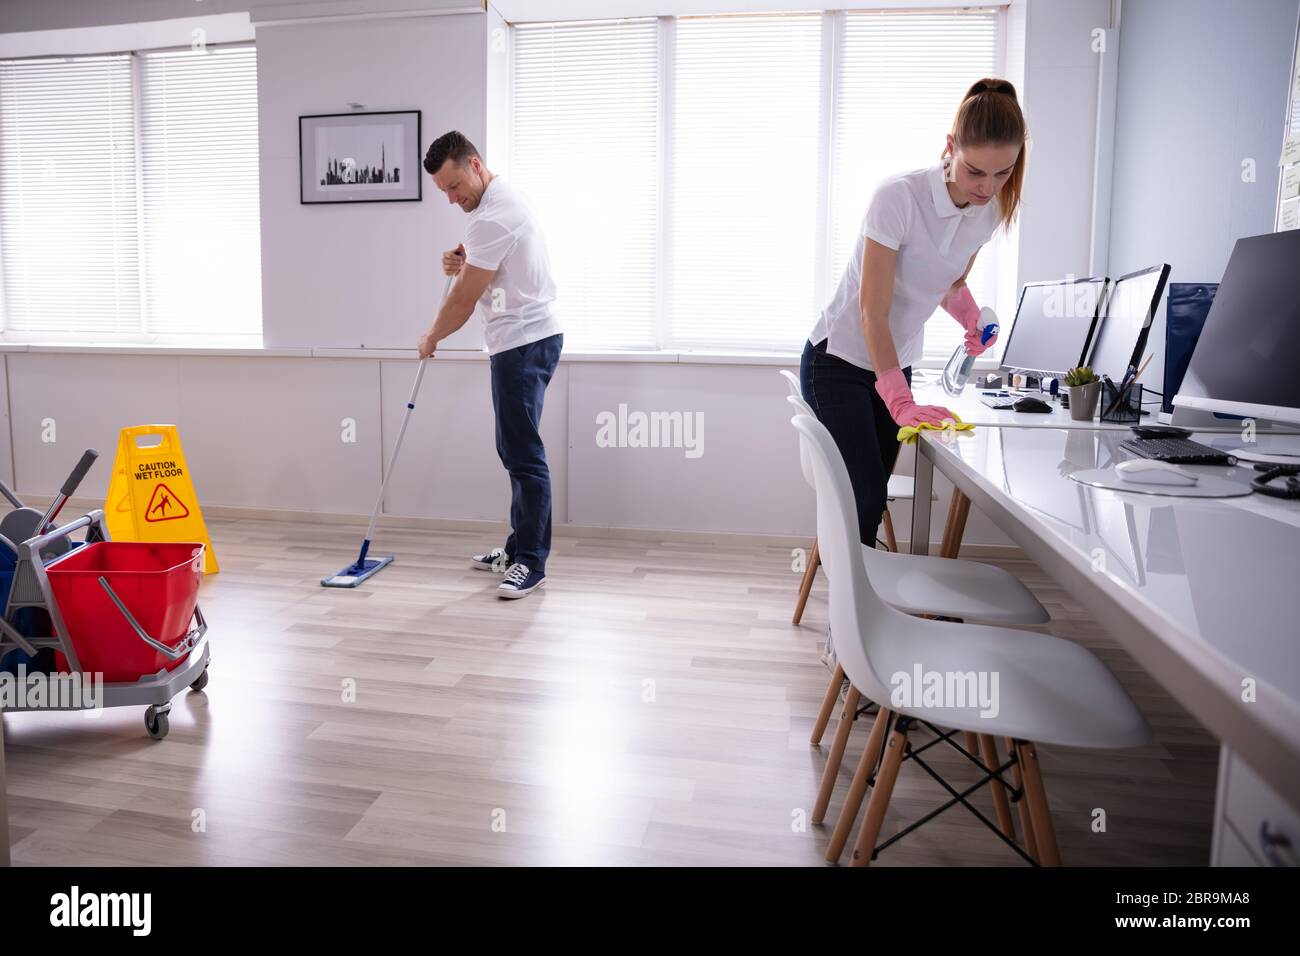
(859, 619)
(792, 380)
(801, 408)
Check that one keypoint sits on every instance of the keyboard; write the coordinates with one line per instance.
(999, 401)
(1179, 451)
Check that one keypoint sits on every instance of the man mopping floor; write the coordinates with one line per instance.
(502, 269)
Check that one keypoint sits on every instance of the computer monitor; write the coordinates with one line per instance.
(1245, 361)
(1130, 307)
(1053, 325)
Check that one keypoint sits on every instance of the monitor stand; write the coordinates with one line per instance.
(1199, 420)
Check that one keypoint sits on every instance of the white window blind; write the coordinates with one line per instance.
(701, 179)
(202, 249)
(129, 196)
(585, 151)
(899, 80)
(68, 223)
(743, 181)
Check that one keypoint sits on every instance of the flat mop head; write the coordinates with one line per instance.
(356, 572)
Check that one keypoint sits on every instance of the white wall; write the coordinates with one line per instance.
(497, 89)
(260, 432)
(1060, 104)
(364, 274)
(1202, 88)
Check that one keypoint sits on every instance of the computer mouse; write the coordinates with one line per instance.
(1030, 404)
(1148, 471)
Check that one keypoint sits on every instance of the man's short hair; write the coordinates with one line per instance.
(453, 146)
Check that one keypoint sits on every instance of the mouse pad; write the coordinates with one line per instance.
(1209, 486)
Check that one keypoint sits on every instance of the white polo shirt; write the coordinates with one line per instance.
(518, 306)
(912, 213)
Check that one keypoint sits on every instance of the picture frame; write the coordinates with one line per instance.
(360, 157)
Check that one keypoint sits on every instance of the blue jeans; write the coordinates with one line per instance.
(845, 400)
(519, 379)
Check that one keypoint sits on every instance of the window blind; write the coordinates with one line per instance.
(743, 181)
(723, 164)
(198, 149)
(585, 151)
(899, 80)
(68, 217)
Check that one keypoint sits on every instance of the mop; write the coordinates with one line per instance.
(365, 567)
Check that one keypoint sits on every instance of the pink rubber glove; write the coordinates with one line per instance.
(892, 387)
(961, 306)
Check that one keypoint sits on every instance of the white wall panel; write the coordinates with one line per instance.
(448, 467)
(747, 477)
(87, 399)
(269, 433)
(259, 433)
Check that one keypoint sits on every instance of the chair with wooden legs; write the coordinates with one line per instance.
(934, 585)
(1004, 683)
(901, 488)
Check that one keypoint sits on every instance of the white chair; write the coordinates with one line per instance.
(927, 584)
(900, 488)
(923, 584)
(1048, 690)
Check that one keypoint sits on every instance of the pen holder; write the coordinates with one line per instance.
(1123, 409)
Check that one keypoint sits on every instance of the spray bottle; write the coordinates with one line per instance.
(957, 372)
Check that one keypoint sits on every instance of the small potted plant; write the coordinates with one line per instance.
(1085, 391)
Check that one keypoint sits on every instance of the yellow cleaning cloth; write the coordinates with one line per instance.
(908, 433)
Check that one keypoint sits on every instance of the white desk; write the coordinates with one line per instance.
(1200, 591)
(969, 408)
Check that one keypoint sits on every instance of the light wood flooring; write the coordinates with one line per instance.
(652, 705)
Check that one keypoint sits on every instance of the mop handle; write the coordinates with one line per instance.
(68, 490)
(401, 433)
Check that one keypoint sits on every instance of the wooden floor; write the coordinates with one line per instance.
(651, 706)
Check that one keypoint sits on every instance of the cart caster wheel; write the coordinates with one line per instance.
(201, 682)
(155, 723)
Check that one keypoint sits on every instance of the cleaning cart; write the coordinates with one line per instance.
(125, 609)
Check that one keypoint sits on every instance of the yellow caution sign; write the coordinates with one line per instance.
(151, 496)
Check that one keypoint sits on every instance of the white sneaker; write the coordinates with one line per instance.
(495, 560)
(519, 581)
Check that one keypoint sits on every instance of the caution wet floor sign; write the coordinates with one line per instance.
(151, 496)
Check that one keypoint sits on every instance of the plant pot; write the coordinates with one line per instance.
(1083, 401)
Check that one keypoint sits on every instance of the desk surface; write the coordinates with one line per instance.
(1201, 591)
(969, 408)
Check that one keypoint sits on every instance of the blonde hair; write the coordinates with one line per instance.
(990, 114)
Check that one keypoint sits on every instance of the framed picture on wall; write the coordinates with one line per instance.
(359, 157)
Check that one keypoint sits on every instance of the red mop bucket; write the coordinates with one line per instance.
(158, 583)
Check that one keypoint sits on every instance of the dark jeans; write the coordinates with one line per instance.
(519, 380)
(845, 400)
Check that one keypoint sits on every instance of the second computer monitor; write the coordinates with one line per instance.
(1122, 335)
(1053, 325)
(1245, 362)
